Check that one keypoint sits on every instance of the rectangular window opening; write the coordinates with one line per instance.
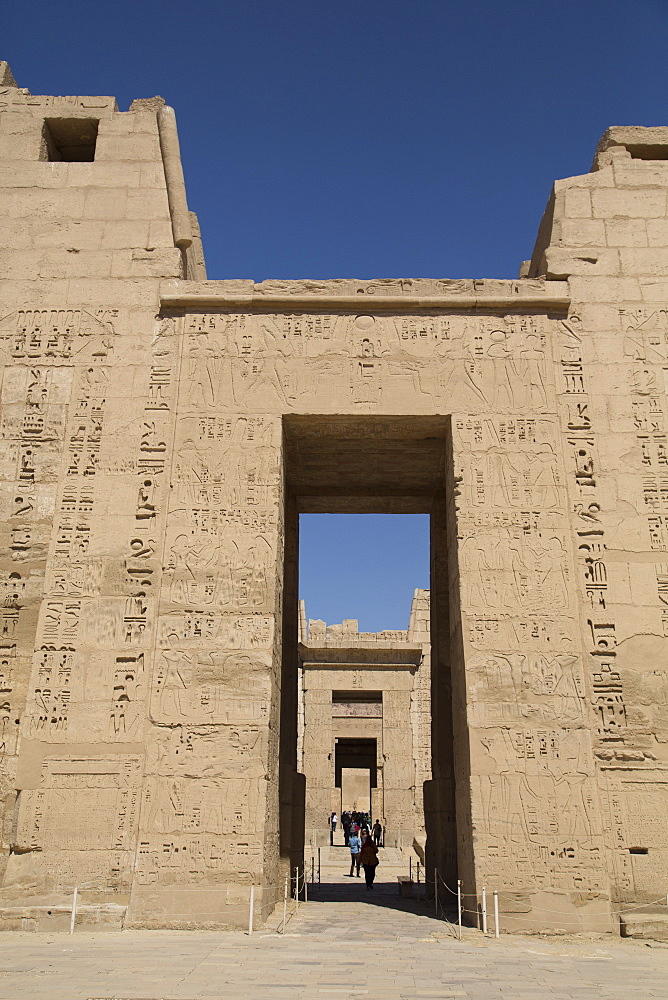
(71, 140)
(638, 850)
(345, 697)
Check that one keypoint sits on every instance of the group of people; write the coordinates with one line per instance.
(363, 839)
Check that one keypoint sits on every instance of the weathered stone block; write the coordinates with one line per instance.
(583, 232)
(657, 232)
(644, 261)
(611, 203)
(133, 148)
(36, 203)
(578, 203)
(106, 203)
(562, 262)
(629, 232)
(151, 204)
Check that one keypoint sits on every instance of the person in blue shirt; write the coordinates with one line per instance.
(355, 845)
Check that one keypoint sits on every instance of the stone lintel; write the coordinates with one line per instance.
(400, 303)
(357, 650)
(333, 665)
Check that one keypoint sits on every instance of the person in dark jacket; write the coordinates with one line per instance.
(346, 822)
(369, 859)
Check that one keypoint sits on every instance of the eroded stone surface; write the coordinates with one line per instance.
(161, 433)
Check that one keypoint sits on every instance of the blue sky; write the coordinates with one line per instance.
(363, 566)
(363, 138)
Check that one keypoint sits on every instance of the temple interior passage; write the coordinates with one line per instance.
(371, 464)
(364, 727)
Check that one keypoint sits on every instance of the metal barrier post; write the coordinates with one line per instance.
(435, 892)
(459, 906)
(251, 907)
(74, 908)
(496, 914)
(484, 910)
(318, 866)
(285, 905)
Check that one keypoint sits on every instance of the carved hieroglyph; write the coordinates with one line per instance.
(161, 433)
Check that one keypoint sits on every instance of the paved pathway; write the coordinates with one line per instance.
(345, 942)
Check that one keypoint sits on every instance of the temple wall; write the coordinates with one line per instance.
(609, 236)
(161, 434)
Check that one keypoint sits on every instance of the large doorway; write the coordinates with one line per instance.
(360, 464)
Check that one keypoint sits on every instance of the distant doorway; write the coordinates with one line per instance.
(356, 774)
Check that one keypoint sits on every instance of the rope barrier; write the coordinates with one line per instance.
(153, 887)
(440, 910)
(300, 880)
(451, 926)
(545, 909)
(616, 906)
(453, 891)
(664, 900)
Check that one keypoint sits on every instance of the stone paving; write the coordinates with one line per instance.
(345, 942)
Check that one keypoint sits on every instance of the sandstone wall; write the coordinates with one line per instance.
(161, 434)
(608, 234)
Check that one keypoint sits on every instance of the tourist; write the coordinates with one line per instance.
(355, 845)
(346, 822)
(333, 820)
(377, 833)
(369, 860)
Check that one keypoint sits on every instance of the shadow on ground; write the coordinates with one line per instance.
(338, 887)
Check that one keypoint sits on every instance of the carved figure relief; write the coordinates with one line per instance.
(527, 685)
(506, 572)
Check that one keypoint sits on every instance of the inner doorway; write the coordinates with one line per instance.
(356, 773)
